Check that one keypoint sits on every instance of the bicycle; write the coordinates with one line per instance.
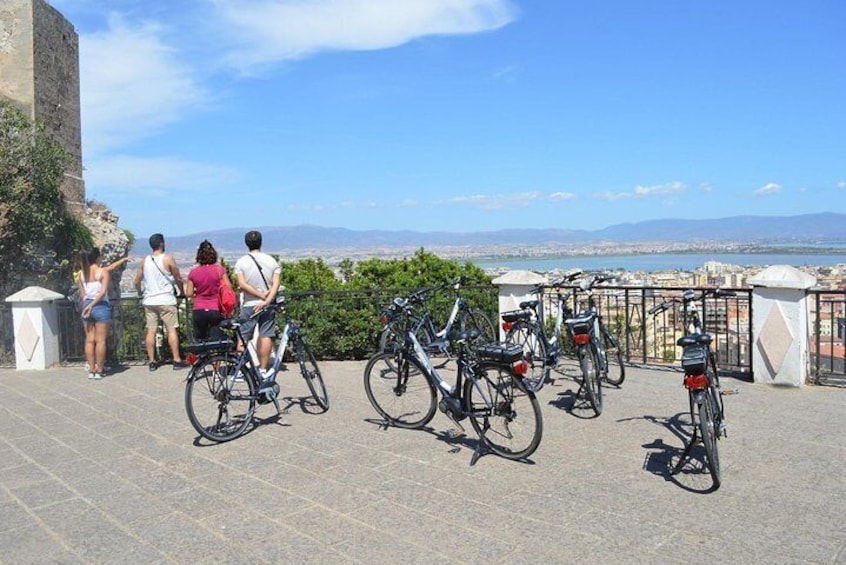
(403, 387)
(223, 386)
(436, 342)
(593, 343)
(705, 396)
(527, 328)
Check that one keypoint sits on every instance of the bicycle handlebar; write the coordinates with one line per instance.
(690, 296)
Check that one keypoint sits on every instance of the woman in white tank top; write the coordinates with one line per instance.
(96, 310)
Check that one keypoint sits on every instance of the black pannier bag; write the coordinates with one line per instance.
(693, 359)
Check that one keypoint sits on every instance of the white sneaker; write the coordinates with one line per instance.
(97, 376)
(91, 376)
(87, 367)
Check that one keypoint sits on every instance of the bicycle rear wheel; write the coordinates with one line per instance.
(504, 413)
(219, 399)
(708, 431)
(311, 373)
(590, 377)
(399, 390)
(615, 371)
(534, 353)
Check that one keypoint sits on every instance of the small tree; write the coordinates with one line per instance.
(37, 234)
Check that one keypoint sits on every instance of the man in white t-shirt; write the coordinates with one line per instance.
(258, 279)
(159, 279)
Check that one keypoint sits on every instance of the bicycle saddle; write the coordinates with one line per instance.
(529, 304)
(694, 339)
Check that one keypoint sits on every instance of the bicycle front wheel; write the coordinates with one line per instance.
(311, 373)
(615, 371)
(534, 353)
(504, 413)
(590, 377)
(219, 399)
(708, 430)
(399, 390)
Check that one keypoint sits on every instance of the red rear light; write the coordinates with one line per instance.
(520, 367)
(507, 326)
(581, 339)
(695, 381)
(192, 358)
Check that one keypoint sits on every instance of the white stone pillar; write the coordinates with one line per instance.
(36, 323)
(780, 352)
(514, 287)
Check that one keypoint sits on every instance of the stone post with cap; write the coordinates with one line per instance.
(514, 287)
(36, 325)
(780, 352)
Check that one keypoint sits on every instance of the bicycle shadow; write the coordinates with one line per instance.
(455, 441)
(690, 474)
(574, 404)
(307, 404)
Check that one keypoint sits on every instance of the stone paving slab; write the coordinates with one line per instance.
(112, 472)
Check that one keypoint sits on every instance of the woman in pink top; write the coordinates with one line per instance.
(203, 286)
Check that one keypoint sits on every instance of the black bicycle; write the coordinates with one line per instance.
(403, 387)
(588, 339)
(395, 319)
(705, 396)
(223, 386)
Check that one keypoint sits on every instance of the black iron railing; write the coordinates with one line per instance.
(652, 340)
(828, 336)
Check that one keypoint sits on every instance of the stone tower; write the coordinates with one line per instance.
(39, 71)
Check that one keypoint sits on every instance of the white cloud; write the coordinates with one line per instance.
(659, 189)
(494, 201)
(768, 189)
(706, 187)
(269, 31)
(156, 175)
(132, 85)
(559, 196)
(641, 191)
(841, 185)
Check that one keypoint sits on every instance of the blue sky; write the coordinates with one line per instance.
(459, 115)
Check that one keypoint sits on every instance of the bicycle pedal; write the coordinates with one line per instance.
(454, 433)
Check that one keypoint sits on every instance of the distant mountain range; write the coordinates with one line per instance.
(802, 229)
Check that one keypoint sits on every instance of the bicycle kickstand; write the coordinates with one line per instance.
(686, 453)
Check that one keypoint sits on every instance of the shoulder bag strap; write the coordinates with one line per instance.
(175, 291)
(260, 271)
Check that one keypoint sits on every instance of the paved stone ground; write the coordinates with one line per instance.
(111, 471)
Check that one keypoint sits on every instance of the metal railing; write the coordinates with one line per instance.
(828, 336)
(652, 340)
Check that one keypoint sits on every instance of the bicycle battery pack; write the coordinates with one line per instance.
(505, 353)
(221, 345)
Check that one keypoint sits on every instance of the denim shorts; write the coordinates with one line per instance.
(100, 314)
(266, 323)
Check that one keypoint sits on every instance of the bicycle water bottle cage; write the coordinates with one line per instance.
(529, 304)
(693, 359)
(694, 339)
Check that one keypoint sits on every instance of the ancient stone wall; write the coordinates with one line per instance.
(39, 71)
